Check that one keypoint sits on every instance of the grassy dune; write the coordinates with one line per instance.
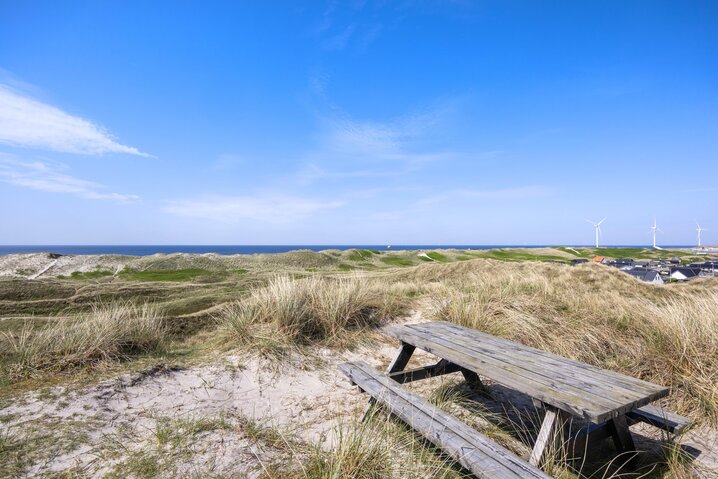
(96, 324)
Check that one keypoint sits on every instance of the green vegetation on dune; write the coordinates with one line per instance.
(573, 251)
(625, 252)
(397, 261)
(509, 255)
(188, 274)
(643, 253)
(24, 290)
(434, 256)
(361, 254)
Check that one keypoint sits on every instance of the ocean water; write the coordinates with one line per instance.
(145, 250)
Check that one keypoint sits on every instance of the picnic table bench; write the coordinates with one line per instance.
(606, 400)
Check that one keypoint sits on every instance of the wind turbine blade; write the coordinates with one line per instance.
(594, 224)
(599, 223)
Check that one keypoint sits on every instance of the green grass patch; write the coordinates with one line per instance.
(176, 275)
(625, 252)
(643, 253)
(397, 261)
(575, 252)
(346, 267)
(361, 254)
(508, 255)
(437, 256)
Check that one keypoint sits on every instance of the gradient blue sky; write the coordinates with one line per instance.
(488, 122)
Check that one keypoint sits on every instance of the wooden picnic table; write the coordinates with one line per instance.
(607, 400)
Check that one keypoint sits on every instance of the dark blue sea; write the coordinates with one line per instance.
(145, 250)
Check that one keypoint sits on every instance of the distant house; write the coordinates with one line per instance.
(599, 259)
(579, 261)
(641, 264)
(622, 264)
(624, 261)
(646, 275)
(683, 274)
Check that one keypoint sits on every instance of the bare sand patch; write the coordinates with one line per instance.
(304, 398)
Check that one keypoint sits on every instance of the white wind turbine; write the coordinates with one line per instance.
(699, 230)
(654, 229)
(597, 226)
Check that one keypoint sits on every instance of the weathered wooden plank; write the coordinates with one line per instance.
(660, 418)
(467, 446)
(583, 370)
(564, 397)
(589, 371)
(438, 369)
(571, 390)
(607, 393)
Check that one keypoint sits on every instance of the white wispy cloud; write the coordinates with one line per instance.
(268, 208)
(407, 139)
(43, 176)
(29, 123)
(514, 193)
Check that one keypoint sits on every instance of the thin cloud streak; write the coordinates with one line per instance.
(28, 123)
(266, 208)
(43, 176)
(403, 140)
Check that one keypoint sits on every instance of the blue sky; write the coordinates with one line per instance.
(428, 122)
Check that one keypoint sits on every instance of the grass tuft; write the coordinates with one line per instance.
(110, 331)
(310, 310)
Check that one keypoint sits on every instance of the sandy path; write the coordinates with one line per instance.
(43, 271)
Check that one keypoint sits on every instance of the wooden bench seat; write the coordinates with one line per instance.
(659, 418)
(468, 447)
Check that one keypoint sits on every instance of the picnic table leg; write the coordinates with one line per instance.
(550, 436)
(398, 364)
(473, 380)
(618, 428)
(402, 358)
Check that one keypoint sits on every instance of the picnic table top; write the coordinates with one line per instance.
(572, 386)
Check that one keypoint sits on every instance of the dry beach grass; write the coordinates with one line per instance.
(667, 335)
(108, 332)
